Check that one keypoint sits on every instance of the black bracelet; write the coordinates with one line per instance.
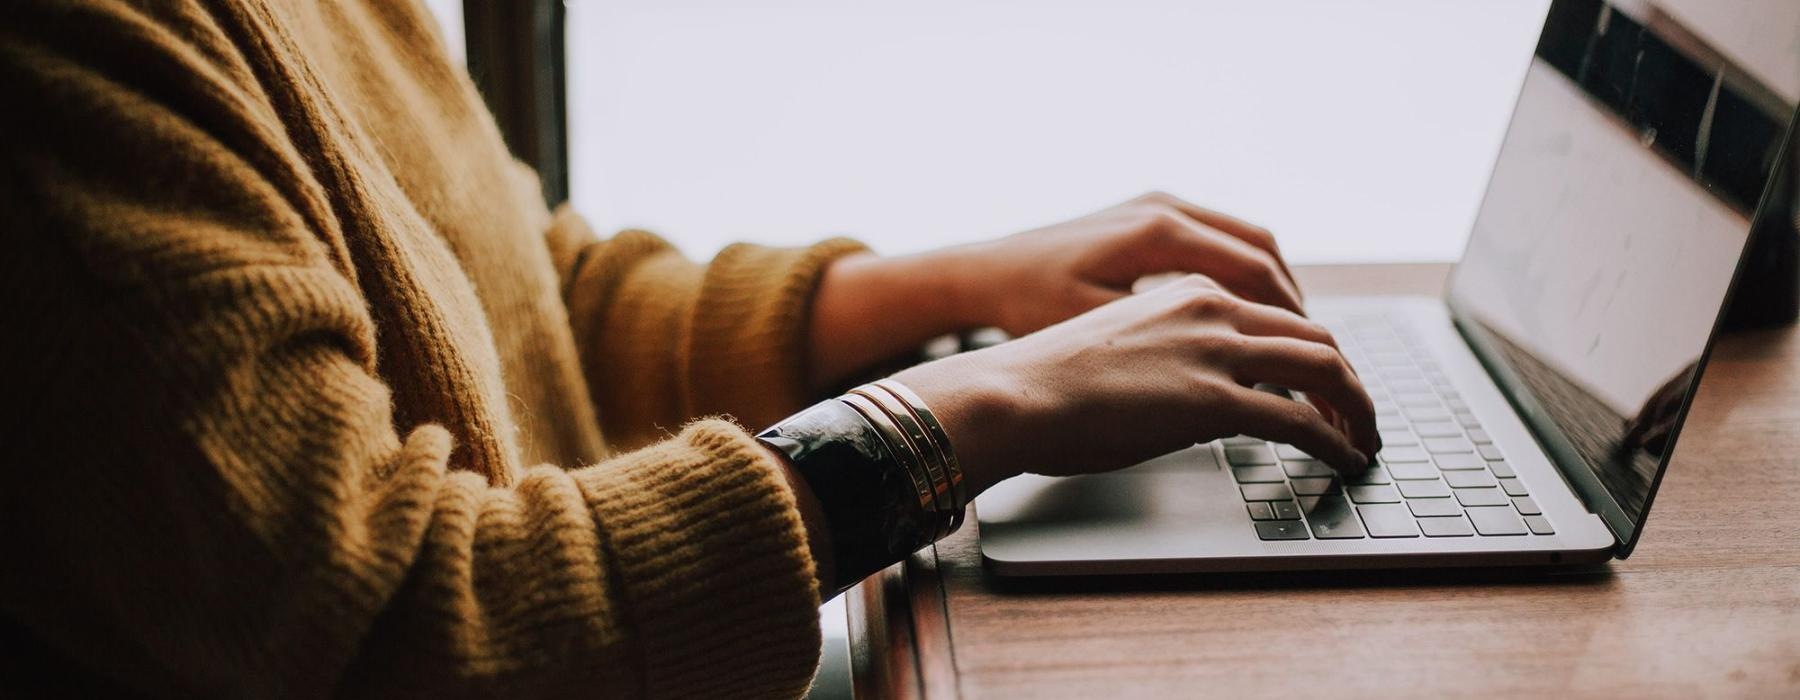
(870, 499)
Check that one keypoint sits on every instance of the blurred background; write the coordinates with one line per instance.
(1357, 131)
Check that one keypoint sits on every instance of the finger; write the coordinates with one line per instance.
(1263, 320)
(1242, 230)
(1163, 279)
(1275, 418)
(1242, 268)
(1321, 372)
(1257, 319)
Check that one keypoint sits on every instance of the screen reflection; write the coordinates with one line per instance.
(1619, 207)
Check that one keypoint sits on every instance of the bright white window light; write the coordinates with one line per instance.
(1357, 131)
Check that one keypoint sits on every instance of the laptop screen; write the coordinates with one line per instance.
(1644, 139)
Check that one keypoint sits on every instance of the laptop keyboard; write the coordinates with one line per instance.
(1438, 473)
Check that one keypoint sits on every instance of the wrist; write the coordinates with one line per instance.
(978, 410)
(945, 287)
(871, 309)
(963, 281)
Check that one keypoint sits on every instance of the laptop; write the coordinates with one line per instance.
(1529, 413)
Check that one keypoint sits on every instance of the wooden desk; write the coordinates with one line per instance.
(1708, 606)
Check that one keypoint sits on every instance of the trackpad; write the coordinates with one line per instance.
(1182, 498)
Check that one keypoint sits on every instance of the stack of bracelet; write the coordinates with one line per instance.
(883, 471)
(914, 434)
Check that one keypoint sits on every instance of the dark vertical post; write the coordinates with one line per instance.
(515, 50)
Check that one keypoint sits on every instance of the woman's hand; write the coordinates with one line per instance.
(1034, 279)
(869, 309)
(1143, 376)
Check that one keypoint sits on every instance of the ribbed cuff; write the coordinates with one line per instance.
(711, 561)
(749, 344)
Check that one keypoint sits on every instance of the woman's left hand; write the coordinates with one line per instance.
(870, 308)
(1030, 280)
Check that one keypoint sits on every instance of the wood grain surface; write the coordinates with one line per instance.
(1708, 606)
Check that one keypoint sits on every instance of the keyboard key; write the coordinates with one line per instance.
(1388, 521)
(1527, 506)
(1282, 530)
(1474, 497)
(1306, 467)
(1385, 408)
(1455, 444)
(1539, 525)
(1399, 374)
(1454, 403)
(1390, 359)
(1266, 492)
(1501, 469)
(1513, 487)
(1410, 385)
(1334, 519)
(1287, 452)
(1391, 423)
(1260, 511)
(1490, 452)
(1402, 454)
(1458, 461)
(1284, 510)
(1391, 438)
(1373, 494)
(1243, 440)
(1258, 475)
(1496, 521)
(1437, 429)
(1469, 479)
(1247, 455)
(1418, 414)
(1373, 476)
(1434, 508)
(1467, 420)
(1480, 436)
(1424, 489)
(1408, 470)
(1313, 486)
(1419, 400)
(1446, 527)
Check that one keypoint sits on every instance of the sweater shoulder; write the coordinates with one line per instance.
(151, 150)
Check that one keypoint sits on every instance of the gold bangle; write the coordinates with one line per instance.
(896, 445)
(937, 432)
(944, 500)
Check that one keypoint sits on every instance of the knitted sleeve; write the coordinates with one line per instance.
(664, 339)
(207, 493)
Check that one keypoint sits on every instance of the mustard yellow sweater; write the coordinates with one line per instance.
(303, 391)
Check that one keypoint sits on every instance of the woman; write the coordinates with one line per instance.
(308, 394)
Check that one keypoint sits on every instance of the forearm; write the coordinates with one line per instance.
(871, 309)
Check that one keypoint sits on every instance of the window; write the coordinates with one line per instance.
(1358, 131)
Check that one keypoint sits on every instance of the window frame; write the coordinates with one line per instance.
(516, 58)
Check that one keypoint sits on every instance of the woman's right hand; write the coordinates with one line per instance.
(1144, 376)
